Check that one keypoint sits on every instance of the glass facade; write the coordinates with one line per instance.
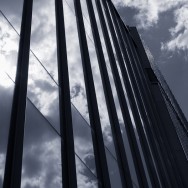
(84, 112)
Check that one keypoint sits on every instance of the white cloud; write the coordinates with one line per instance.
(9, 41)
(179, 33)
(148, 16)
(149, 10)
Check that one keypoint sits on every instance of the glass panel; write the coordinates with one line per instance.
(41, 165)
(6, 94)
(108, 28)
(113, 171)
(13, 11)
(43, 34)
(106, 128)
(43, 92)
(87, 23)
(82, 132)
(99, 25)
(77, 86)
(42, 87)
(9, 42)
(9, 39)
(85, 178)
(83, 140)
(129, 155)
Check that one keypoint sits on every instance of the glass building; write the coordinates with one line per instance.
(80, 103)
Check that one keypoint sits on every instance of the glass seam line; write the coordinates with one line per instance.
(54, 129)
(51, 75)
(13, 167)
(35, 54)
(57, 85)
(76, 110)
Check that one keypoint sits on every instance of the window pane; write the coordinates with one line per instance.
(43, 92)
(83, 140)
(85, 178)
(113, 171)
(9, 42)
(6, 94)
(13, 11)
(41, 165)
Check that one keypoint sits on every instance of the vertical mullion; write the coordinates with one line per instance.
(154, 117)
(13, 166)
(148, 106)
(66, 128)
(122, 159)
(147, 122)
(171, 169)
(150, 120)
(128, 124)
(143, 140)
(118, 85)
(98, 143)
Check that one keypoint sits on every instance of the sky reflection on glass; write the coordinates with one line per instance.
(170, 55)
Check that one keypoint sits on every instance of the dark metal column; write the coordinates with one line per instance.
(121, 156)
(144, 99)
(134, 101)
(155, 119)
(175, 179)
(66, 129)
(151, 134)
(141, 176)
(13, 166)
(98, 143)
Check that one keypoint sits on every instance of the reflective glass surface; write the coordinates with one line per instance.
(43, 92)
(41, 152)
(85, 178)
(41, 166)
(113, 171)
(6, 94)
(9, 42)
(83, 140)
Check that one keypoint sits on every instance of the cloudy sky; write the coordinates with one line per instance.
(164, 29)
